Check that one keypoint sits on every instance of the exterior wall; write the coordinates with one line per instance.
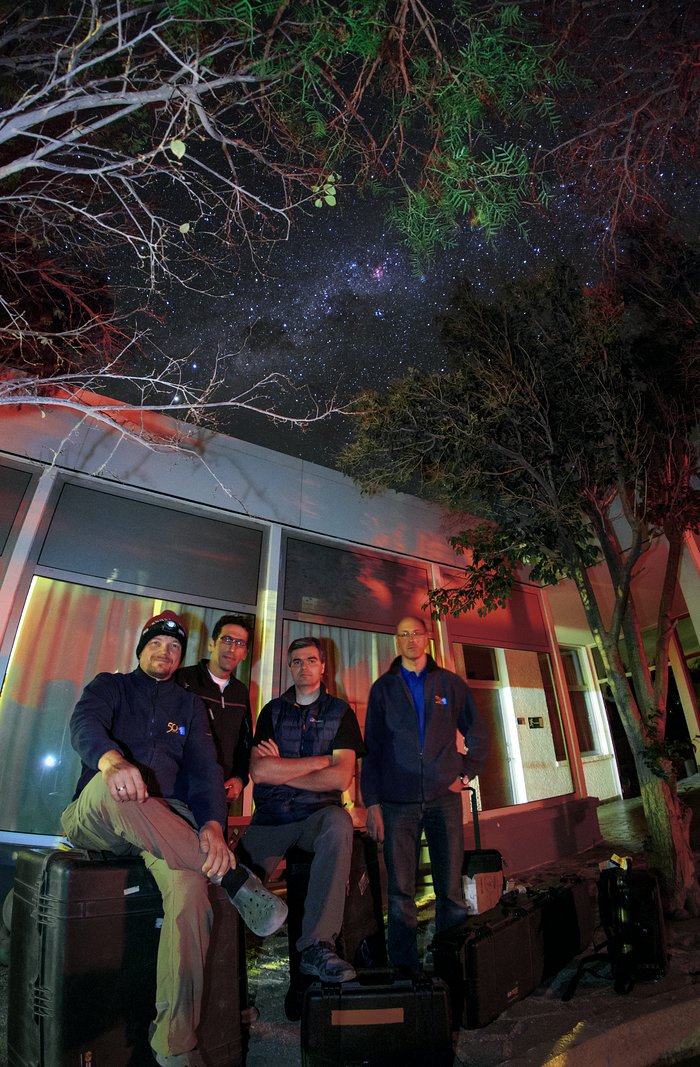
(380, 541)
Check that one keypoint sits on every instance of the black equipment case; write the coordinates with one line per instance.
(631, 914)
(379, 1020)
(492, 960)
(361, 941)
(83, 959)
(482, 870)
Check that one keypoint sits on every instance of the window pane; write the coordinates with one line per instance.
(553, 712)
(342, 584)
(13, 486)
(480, 663)
(543, 764)
(143, 545)
(495, 783)
(67, 635)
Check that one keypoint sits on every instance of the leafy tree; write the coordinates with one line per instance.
(567, 421)
(170, 134)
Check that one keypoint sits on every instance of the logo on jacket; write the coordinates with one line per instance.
(173, 728)
(440, 700)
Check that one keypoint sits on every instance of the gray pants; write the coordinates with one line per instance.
(328, 834)
(170, 849)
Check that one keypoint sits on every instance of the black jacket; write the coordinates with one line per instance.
(229, 716)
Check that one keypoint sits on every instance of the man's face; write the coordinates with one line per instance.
(411, 639)
(306, 668)
(229, 649)
(160, 657)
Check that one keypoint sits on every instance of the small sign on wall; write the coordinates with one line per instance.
(535, 722)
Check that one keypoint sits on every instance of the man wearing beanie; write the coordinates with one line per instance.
(151, 784)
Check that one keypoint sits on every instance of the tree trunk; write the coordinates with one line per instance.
(668, 820)
(668, 824)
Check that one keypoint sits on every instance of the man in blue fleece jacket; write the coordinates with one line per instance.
(151, 785)
(412, 776)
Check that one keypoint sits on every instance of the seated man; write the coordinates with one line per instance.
(151, 785)
(304, 751)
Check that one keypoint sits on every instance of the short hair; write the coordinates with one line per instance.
(232, 620)
(306, 642)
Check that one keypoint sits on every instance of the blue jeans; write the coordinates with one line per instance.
(441, 820)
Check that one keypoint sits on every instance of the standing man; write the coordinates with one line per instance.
(226, 699)
(151, 785)
(304, 752)
(412, 776)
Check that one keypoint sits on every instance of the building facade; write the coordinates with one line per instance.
(100, 530)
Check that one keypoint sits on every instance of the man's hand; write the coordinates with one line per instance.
(458, 785)
(267, 748)
(123, 780)
(234, 788)
(375, 823)
(219, 858)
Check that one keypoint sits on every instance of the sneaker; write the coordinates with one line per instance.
(261, 910)
(180, 1059)
(320, 960)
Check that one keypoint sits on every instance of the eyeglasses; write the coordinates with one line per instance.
(237, 642)
(411, 633)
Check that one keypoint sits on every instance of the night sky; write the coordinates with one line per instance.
(338, 308)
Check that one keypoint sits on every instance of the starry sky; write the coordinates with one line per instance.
(338, 308)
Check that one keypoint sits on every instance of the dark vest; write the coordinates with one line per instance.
(299, 731)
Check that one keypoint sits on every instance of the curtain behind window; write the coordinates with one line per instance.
(67, 635)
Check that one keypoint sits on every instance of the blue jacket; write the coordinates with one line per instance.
(160, 728)
(396, 769)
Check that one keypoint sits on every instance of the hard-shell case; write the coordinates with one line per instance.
(379, 1020)
(83, 961)
(494, 959)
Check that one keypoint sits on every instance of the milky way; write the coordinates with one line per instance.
(338, 308)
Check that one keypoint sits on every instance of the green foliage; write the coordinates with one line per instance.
(326, 191)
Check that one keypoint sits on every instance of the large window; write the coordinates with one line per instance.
(68, 633)
(480, 667)
(354, 659)
(581, 697)
(515, 695)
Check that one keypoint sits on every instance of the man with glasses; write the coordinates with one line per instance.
(412, 775)
(303, 758)
(226, 699)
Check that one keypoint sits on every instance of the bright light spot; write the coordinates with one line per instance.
(49, 761)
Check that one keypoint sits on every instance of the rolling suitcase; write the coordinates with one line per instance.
(361, 941)
(482, 870)
(82, 966)
(379, 1020)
